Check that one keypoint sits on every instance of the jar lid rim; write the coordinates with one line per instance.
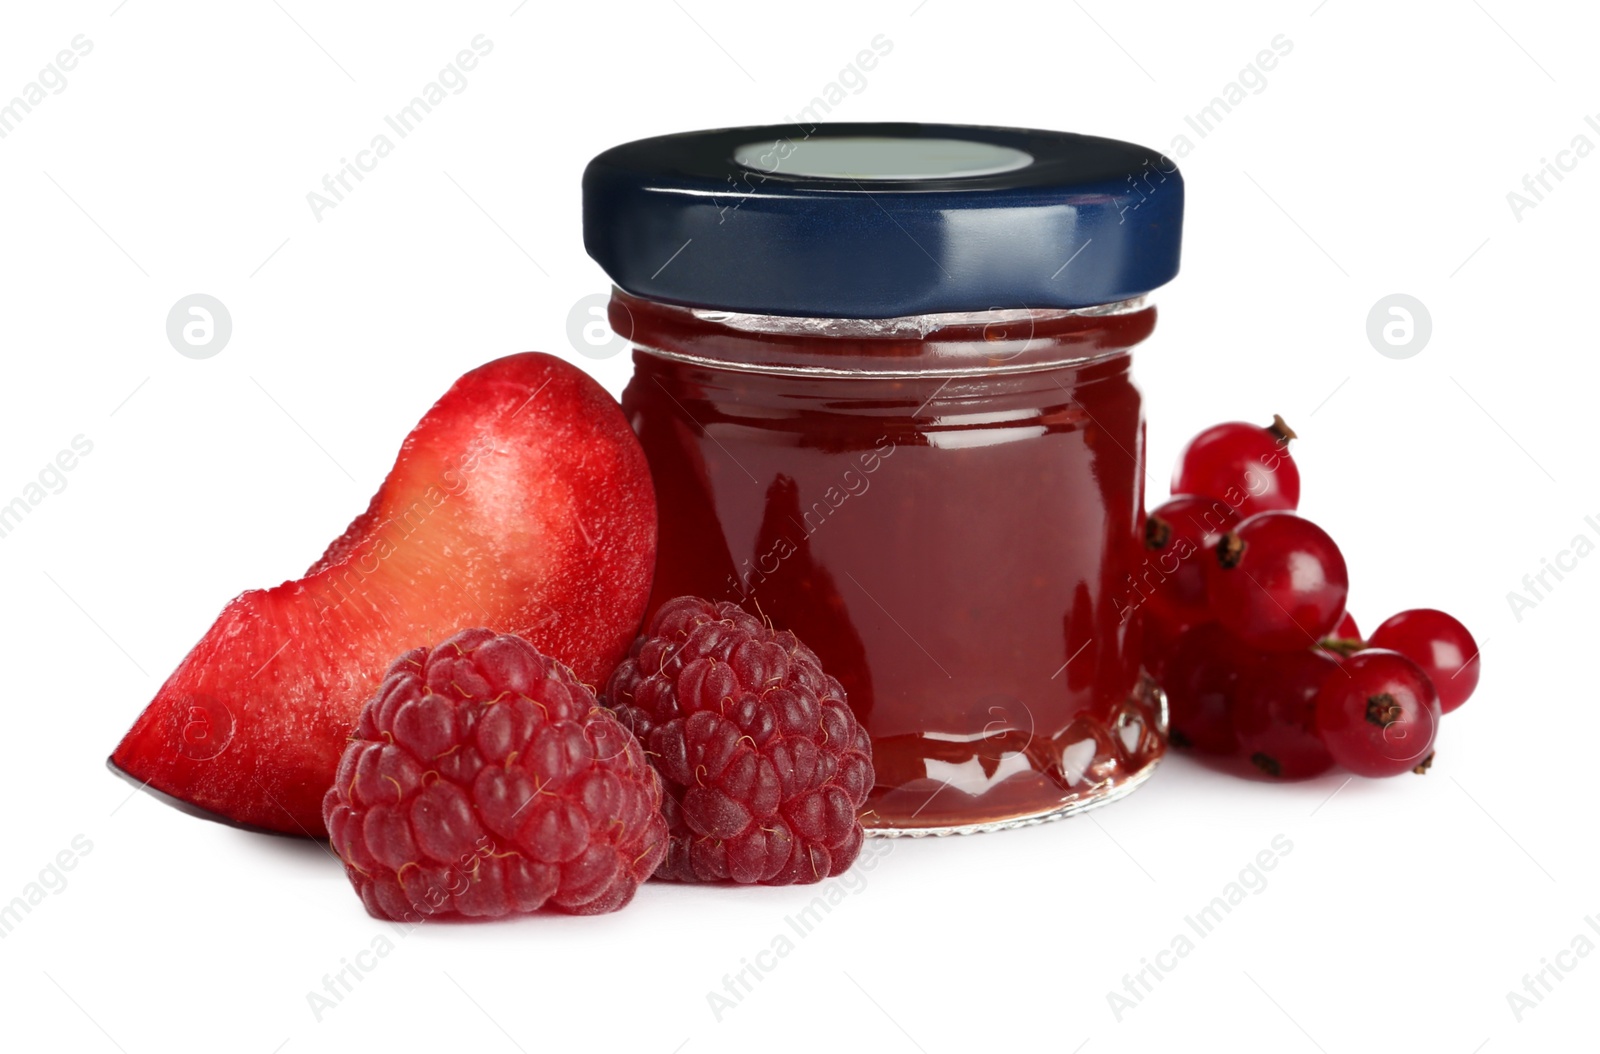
(874, 220)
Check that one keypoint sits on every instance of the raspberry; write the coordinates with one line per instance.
(484, 780)
(764, 764)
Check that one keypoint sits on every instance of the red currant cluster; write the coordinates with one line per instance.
(1245, 627)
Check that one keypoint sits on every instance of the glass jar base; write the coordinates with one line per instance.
(1033, 797)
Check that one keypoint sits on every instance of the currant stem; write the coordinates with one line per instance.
(1157, 533)
(1382, 710)
(1280, 428)
(1267, 764)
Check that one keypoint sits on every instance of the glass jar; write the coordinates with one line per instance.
(946, 505)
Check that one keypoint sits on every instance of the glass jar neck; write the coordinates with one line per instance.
(960, 344)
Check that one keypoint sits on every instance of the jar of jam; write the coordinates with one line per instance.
(881, 374)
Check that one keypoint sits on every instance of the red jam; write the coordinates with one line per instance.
(947, 508)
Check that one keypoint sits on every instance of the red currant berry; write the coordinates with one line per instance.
(1440, 645)
(1245, 465)
(1178, 537)
(1203, 676)
(1346, 629)
(1158, 642)
(1278, 582)
(1274, 715)
(1379, 716)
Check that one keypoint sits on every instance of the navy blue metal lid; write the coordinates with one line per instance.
(879, 220)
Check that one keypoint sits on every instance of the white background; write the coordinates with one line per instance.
(1377, 159)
